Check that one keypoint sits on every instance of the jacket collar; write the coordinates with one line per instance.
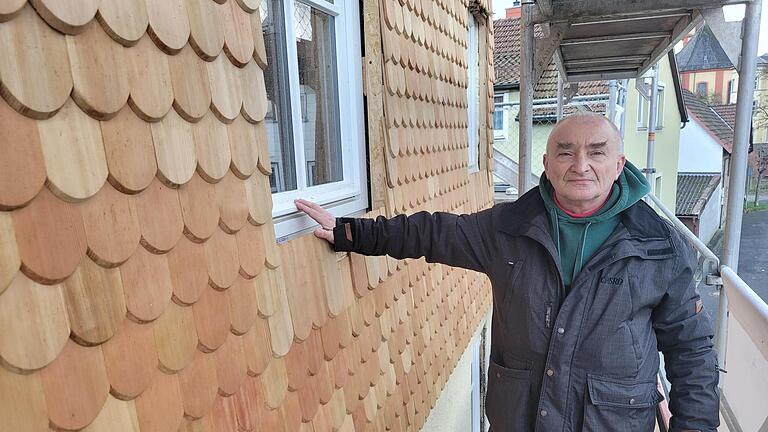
(649, 236)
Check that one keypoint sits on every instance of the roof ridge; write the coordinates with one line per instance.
(720, 117)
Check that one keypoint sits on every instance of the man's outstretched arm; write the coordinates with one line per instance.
(455, 240)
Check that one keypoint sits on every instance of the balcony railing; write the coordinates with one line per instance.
(744, 352)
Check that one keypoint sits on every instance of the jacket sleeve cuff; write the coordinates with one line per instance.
(344, 235)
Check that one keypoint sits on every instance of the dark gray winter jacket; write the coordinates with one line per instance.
(582, 362)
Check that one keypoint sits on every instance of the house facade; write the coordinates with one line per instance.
(154, 275)
(707, 72)
(706, 143)
(670, 118)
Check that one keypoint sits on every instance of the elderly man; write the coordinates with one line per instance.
(589, 284)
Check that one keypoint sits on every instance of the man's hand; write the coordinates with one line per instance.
(326, 220)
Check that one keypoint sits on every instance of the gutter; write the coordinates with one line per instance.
(678, 88)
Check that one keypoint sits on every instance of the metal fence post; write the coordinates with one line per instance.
(524, 182)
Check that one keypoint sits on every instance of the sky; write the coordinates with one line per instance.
(732, 13)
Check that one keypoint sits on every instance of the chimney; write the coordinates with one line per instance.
(514, 12)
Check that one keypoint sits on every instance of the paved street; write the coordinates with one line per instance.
(753, 256)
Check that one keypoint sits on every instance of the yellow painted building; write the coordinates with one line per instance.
(667, 132)
(707, 72)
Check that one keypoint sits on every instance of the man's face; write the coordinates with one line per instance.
(583, 161)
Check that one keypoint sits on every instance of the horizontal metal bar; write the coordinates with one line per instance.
(690, 236)
(598, 68)
(581, 10)
(585, 98)
(623, 59)
(629, 18)
(746, 307)
(616, 38)
(596, 76)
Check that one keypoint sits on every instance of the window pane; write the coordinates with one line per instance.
(498, 119)
(315, 45)
(498, 113)
(278, 118)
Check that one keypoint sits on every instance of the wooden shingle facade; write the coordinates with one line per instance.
(142, 287)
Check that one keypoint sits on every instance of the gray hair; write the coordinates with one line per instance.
(582, 116)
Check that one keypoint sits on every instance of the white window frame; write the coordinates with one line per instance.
(658, 185)
(644, 105)
(473, 87)
(501, 134)
(349, 196)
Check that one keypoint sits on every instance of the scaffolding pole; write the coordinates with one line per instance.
(560, 86)
(738, 164)
(524, 182)
(650, 170)
(613, 93)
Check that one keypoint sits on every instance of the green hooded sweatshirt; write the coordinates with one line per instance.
(578, 238)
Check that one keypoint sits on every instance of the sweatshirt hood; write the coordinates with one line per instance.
(629, 188)
(577, 238)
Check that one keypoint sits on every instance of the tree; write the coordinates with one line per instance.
(760, 105)
(761, 167)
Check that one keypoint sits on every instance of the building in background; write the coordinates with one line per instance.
(591, 96)
(707, 72)
(706, 143)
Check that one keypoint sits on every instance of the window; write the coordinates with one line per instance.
(732, 90)
(314, 118)
(472, 94)
(702, 89)
(499, 118)
(643, 107)
(479, 379)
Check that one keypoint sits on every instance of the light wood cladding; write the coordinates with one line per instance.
(66, 16)
(22, 168)
(131, 359)
(75, 386)
(129, 151)
(141, 284)
(124, 20)
(33, 54)
(31, 340)
(95, 302)
(10, 261)
(99, 72)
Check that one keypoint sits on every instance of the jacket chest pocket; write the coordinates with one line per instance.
(512, 290)
(620, 405)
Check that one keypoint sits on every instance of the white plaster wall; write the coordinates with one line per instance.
(699, 152)
(453, 410)
(710, 217)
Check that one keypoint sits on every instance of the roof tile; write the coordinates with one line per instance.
(709, 119)
(507, 63)
(693, 192)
